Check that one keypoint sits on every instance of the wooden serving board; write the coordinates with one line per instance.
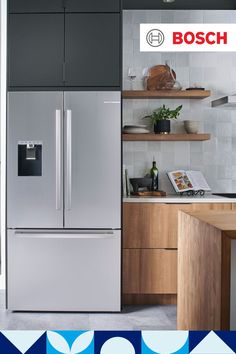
(159, 77)
(150, 194)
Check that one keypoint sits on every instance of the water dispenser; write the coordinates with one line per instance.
(30, 158)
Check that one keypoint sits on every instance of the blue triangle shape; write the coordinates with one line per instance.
(229, 337)
(6, 346)
(195, 337)
(39, 347)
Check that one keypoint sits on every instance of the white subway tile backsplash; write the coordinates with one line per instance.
(167, 16)
(181, 16)
(128, 157)
(216, 71)
(139, 16)
(182, 154)
(181, 60)
(127, 47)
(234, 173)
(224, 172)
(216, 16)
(195, 146)
(140, 146)
(223, 129)
(224, 144)
(196, 76)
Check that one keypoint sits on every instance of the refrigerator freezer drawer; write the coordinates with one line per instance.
(64, 271)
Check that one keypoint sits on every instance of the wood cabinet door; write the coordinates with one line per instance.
(151, 225)
(233, 206)
(92, 50)
(131, 271)
(149, 271)
(158, 271)
(92, 5)
(35, 50)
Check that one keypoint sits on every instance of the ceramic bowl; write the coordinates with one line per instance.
(191, 126)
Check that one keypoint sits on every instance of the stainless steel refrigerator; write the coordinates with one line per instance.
(64, 201)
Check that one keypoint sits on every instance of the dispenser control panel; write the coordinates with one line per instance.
(30, 158)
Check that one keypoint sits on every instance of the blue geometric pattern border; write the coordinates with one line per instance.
(117, 342)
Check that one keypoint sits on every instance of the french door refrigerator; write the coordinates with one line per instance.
(64, 201)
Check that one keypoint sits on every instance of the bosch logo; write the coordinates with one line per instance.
(187, 37)
(200, 38)
(155, 38)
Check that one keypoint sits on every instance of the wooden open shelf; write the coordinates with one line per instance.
(195, 94)
(166, 137)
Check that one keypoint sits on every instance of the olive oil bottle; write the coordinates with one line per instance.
(154, 175)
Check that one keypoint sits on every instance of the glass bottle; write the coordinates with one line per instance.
(154, 175)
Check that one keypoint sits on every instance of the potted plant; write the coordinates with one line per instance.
(161, 117)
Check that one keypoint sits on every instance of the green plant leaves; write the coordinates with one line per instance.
(163, 113)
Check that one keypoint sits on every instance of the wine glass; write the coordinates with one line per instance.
(132, 76)
(145, 74)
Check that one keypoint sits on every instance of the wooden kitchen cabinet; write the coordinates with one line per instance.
(150, 271)
(131, 271)
(150, 225)
(150, 242)
(155, 225)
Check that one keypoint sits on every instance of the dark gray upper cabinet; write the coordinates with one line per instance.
(30, 6)
(92, 53)
(92, 5)
(179, 5)
(36, 50)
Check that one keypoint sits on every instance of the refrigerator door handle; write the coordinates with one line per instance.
(65, 235)
(68, 158)
(58, 159)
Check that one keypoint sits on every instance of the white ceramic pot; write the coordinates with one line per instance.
(191, 126)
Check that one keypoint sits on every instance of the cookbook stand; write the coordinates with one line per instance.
(192, 193)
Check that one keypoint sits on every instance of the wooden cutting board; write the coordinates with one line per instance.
(159, 78)
(150, 194)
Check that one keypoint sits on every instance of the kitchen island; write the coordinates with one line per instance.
(150, 244)
(206, 270)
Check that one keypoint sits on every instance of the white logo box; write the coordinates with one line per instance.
(197, 37)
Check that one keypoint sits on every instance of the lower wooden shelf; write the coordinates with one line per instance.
(165, 137)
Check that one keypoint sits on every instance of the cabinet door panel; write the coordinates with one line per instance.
(158, 271)
(29, 6)
(93, 6)
(92, 50)
(151, 225)
(36, 50)
(131, 271)
(155, 225)
(233, 206)
(149, 271)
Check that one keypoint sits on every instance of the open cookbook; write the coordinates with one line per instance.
(184, 181)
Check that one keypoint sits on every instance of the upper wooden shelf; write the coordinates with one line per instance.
(166, 137)
(200, 94)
